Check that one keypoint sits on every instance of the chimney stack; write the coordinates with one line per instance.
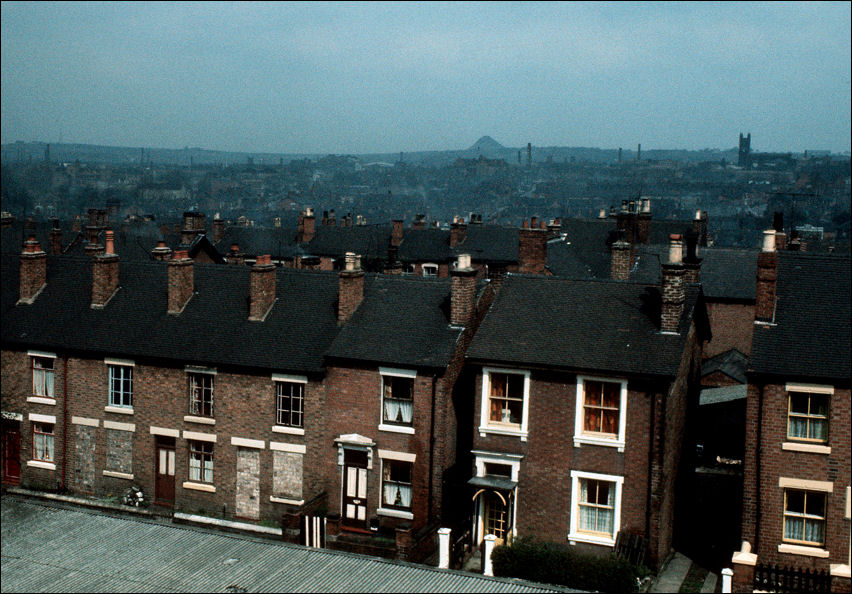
(181, 281)
(33, 271)
(462, 291)
(306, 228)
(235, 256)
(673, 290)
(105, 274)
(700, 226)
(55, 238)
(532, 248)
(767, 274)
(554, 228)
(193, 226)
(262, 295)
(350, 287)
(396, 237)
(419, 222)
(161, 252)
(458, 232)
(692, 263)
(218, 228)
(643, 222)
(621, 260)
(780, 236)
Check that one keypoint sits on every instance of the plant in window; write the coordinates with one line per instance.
(201, 394)
(506, 398)
(396, 484)
(43, 442)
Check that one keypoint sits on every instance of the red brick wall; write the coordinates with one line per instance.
(732, 325)
(767, 528)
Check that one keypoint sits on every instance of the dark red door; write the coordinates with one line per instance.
(11, 453)
(164, 488)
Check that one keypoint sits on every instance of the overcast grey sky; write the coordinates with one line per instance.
(365, 77)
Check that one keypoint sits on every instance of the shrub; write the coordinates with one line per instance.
(553, 563)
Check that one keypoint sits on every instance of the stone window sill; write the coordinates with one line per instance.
(396, 429)
(42, 400)
(274, 499)
(116, 474)
(395, 513)
(40, 464)
(121, 410)
(803, 550)
(483, 430)
(588, 538)
(598, 441)
(199, 420)
(811, 448)
(288, 430)
(199, 487)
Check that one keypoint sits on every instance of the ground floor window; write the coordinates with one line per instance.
(396, 484)
(595, 507)
(201, 461)
(43, 442)
(804, 517)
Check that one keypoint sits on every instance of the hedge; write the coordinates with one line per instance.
(558, 564)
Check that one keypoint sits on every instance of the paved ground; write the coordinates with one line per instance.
(672, 577)
(50, 547)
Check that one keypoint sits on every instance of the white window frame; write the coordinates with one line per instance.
(574, 535)
(49, 395)
(48, 442)
(486, 425)
(394, 372)
(581, 437)
(391, 456)
(124, 366)
(512, 460)
(431, 266)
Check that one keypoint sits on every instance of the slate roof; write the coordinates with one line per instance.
(278, 242)
(582, 325)
(490, 243)
(370, 241)
(811, 334)
(213, 329)
(425, 245)
(732, 363)
(710, 396)
(402, 321)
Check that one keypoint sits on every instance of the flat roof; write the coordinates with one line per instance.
(46, 547)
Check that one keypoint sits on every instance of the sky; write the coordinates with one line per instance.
(387, 77)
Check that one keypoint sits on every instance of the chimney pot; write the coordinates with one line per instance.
(526, 224)
(675, 249)
(602, 214)
(769, 240)
(698, 215)
(110, 242)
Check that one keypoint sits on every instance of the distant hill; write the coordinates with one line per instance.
(486, 144)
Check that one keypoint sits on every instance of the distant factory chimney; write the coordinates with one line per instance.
(639, 152)
(529, 154)
(619, 154)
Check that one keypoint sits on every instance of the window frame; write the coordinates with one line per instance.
(486, 425)
(808, 416)
(395, 426)
(191, 389)
(279, 385)
(804, 517)
(430, 266)
(126, 368)
(574, 532)
(43, 372)
(387, 465)
(581, 436)
(39, 429)
(197, 449)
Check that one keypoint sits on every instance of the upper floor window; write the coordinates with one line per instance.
(807, 417)
(201, 394)
(600, 412)
(43, 442)
(430, 270)
(43, 377)
(396, 484)
(506, 398)
(397, 397)
(121, 385)
(289, 404)
(201, 461)
(505, 401)
(409, 269)
(804, 517)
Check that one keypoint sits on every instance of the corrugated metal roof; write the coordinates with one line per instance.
(53, 549)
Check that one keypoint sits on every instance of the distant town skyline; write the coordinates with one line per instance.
(383, 78)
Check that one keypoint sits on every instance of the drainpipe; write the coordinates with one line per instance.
(650, 466)
(758, 454)
(64, 416)
(432, 445)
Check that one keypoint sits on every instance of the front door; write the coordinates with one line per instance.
(355, 488)
(164, 489)
(11, 453)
